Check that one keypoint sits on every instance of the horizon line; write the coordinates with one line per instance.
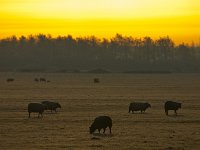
(100, 37)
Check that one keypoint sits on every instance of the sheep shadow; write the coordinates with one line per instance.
(175, 115)
(95, 135)
(139, 113)
(50, 113)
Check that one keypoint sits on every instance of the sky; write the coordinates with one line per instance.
(178, 19)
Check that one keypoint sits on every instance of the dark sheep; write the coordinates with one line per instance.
(96, 80)
(42, 80)
(45, 103)
(170, 105)
(36, 80)
(10, 80)
(135, 106)
(101, 122)
(36, 107)
(51, 105)
(46, 107)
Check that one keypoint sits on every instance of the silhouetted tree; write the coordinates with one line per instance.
(120, 53)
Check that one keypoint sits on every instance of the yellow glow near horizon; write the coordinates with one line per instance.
(179, 19)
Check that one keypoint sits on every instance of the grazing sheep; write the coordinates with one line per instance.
(101, 122)
(36, 80)
(170, 105)
(10, 80)
(36, 107)
(135, 106)
(42, 80)
(96, 80)
(51, 105)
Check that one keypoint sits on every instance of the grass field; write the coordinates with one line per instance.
(82, 100)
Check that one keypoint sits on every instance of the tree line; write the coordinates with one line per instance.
(117, 54)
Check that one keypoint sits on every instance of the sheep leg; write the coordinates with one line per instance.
(104, 129)
(166, 111)
(110, 129)
(99, 130)
(175, 112)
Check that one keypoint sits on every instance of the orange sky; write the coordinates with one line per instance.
(179, 19)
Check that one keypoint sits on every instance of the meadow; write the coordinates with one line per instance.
(82, 100)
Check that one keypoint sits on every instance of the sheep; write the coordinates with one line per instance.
(101, 122)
